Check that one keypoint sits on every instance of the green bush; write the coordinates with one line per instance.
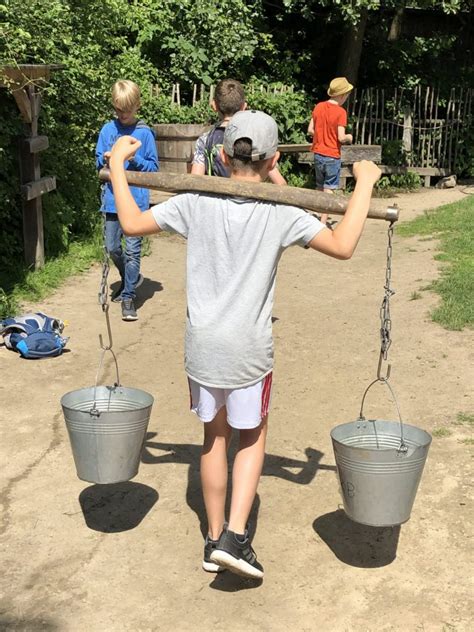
(406, 181)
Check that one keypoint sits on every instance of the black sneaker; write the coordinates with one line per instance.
(209, 546)
(237, 556)
(128, 310)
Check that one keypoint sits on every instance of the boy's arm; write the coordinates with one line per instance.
(310, 130)
(276, 177)
(132, 220)
(100, 158)
(342, 241)
(149, 160)
(343, 138)
(198, 167)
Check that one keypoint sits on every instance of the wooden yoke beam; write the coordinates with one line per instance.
(308, 199)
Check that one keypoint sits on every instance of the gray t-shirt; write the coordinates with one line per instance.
(234, 246)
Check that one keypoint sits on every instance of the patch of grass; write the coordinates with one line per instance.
(39, 283)
(453, 225)
(467, 441)
(415, 296)
(441, 432)
(464, 419)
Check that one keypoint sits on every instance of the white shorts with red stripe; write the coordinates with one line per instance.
(246, 407)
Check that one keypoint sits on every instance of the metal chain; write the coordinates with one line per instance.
(385, 319)
(103, 302)
(104, 288)
(386, 341)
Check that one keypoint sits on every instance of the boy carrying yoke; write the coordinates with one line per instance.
(229, 346)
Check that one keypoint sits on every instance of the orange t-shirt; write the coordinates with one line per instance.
(327, 117)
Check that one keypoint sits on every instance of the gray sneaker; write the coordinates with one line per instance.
(128, 310)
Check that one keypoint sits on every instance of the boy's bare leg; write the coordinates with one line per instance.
(246, 474)
(325, 216)
(217, 435)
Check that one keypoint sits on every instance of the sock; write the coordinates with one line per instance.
(241, 537)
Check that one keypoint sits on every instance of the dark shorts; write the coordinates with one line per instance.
(327, 171)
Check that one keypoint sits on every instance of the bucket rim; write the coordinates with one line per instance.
(426, 435)
(77, 391)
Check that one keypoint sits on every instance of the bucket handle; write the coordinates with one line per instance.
(94, 411)
(403, 448)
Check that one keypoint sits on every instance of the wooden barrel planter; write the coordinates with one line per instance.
(176, 144)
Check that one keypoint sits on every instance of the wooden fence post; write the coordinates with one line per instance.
(25, 83)
(407, 138)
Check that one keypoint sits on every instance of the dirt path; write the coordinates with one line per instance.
(79, 557)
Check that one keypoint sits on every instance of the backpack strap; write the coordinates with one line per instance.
(142, 125)
(213, 161)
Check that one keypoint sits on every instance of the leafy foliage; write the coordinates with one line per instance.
(166, 41)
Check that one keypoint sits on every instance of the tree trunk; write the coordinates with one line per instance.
(396, 25)
(351, 49)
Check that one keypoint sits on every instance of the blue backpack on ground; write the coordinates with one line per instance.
(33, 335)
(214, 142)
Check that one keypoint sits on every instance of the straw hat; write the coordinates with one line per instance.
(339, 86)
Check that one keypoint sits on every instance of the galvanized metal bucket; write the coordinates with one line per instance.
(379, 464)
(107, 427)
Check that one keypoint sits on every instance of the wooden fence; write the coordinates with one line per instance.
(201, 92)
(428, 126)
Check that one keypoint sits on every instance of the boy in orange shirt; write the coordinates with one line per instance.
(328, 129)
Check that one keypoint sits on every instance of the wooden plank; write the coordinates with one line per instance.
(382, 114)
(308, 199)
(294, 149)
(36, 144)
(377, 92)
(349, 154)
(437, 145)
(354, 153)
(371, 97)
(33, 236)
(32, 190)
(459, 117)
(24, 104)
(346, 172)
(23, 74)
(426, 134)
(366, 103)
(431, 135)
(358, 138)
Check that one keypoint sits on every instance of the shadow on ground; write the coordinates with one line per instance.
(116, 507)
(145, 292)
(357, 544)
(26, 624)
(190, 454)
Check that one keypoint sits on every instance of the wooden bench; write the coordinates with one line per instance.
(353, 153)
(425, 172)
(349, 153)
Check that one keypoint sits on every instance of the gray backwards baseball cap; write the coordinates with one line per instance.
(258, 127)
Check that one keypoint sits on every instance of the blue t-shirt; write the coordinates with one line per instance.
(146, 159)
